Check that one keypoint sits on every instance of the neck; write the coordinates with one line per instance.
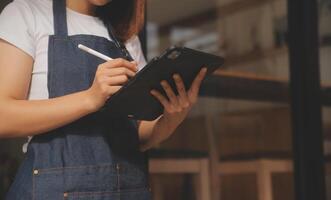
(82, 6)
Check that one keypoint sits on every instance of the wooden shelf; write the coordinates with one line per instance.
(255, 55)
(242, 86)
(235, 85)
(258, 55)
(239, 5)
(246, 75)
(212, 14)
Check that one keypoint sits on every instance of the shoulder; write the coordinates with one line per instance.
(24, 8)
(17, 7)
(17, 22)
(25, 15)
(17, 11)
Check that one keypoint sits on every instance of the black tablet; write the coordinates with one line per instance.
(134, 99)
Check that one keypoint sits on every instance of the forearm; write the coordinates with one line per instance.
(21, 118)
(155, 132)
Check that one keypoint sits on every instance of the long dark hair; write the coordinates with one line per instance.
(126, 17)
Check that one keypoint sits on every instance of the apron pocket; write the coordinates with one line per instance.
(97, 182)
(54, 183)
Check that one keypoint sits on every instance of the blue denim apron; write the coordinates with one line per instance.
(94, 158)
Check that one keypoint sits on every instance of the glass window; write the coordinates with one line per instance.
(247, 99)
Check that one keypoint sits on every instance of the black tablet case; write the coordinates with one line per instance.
(134, 99)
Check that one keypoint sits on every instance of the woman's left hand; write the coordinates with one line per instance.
(176, 107)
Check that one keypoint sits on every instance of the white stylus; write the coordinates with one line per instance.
(94, 52)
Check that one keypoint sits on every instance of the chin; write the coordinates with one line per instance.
(99, 2)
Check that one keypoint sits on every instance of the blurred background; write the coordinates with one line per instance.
(236, 143)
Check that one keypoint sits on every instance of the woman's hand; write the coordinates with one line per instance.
(176, 108)
(49, 114)
(109, 78)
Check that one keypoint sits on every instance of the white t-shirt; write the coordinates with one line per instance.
(27, 24)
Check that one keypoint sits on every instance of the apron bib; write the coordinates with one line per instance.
(94, 158)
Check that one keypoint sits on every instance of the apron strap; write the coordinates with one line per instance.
(60, 18)
(117, 42)
(61, 26)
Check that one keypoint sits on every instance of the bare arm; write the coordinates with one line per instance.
(152, 133)
(20, 117)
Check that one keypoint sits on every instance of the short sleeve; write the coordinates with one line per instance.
(16, 26)
(134, 47)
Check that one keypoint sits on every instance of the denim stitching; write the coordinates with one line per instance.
(81, 194)
(33, 186)
(80, 38)
(118, 177)
(45, 170)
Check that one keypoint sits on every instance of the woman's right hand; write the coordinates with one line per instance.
(49, 114)
(109, 78)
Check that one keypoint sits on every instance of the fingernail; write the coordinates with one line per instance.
(176, 76)
(163, 82)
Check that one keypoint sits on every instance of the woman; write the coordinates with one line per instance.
(51, 90)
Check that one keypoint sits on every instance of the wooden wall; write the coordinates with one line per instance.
(238, 134)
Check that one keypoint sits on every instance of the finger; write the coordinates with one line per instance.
(170, 93)
(116, 80)
(197, 81)
(120, 62)
(119, 71)
(134, 62)
(164, 101)
(115, 89)
(112, 90)
(183, 100)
